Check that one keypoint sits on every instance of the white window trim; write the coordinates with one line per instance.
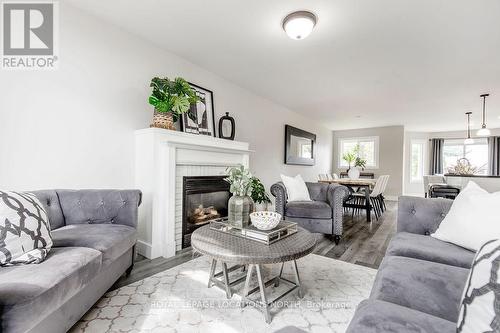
(375, 139)
(425, 145)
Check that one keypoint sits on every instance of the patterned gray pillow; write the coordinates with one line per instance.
(480, 307)
(24, 229)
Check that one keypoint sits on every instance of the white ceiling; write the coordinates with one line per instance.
(420, 63)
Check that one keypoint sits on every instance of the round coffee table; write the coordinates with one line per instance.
(243, 253)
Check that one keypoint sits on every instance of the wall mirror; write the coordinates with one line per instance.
(299, 146)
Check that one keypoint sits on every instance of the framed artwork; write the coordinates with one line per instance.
(200, 118)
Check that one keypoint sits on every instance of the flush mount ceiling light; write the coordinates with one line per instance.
(484, 131)
(468, 140)
(298, 25)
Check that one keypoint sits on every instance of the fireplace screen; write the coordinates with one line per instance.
(203, 207)
(204, 199)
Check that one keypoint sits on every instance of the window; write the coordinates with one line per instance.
(417, 151)
(476, 153)
(368, 150)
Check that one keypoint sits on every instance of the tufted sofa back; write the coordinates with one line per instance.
(66, 207)
(50, 200)
(421, 216)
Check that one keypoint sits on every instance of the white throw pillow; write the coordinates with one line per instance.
(24, 229)
(472, 220)
(479, 310)
(296, 188)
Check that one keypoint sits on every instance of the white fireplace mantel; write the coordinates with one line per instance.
(161, 159)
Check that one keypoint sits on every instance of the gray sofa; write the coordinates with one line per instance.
(323, 214)
(421, 279)
(94, 236)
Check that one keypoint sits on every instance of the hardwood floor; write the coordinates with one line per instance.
(363, 243)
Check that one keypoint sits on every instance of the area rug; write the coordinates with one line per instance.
(178, 300)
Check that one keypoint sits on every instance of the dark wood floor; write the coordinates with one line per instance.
(363, 243)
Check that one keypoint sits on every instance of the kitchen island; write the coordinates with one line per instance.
(489, 183)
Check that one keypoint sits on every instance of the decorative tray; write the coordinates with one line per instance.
(282, 230)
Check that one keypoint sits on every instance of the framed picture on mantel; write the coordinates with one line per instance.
(200, 118)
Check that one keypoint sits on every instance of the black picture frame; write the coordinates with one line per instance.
(291, 158)
(190, 122)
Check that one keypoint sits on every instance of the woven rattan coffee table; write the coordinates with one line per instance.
(248, 255)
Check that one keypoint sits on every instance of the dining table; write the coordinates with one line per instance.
(363, 184)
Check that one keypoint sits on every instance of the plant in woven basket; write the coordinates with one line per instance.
(171, 98)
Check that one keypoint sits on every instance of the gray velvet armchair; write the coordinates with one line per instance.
(323, 214)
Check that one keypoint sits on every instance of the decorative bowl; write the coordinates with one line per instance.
(265, 220)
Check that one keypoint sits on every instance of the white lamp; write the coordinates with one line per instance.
(298, 25)
(484, 131)
(468, 140)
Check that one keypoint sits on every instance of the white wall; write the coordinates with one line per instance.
(391, 152)
(73, 127)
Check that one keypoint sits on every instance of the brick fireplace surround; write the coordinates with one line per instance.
(162, 159)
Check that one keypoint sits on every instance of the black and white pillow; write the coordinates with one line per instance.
(480, 307)
(24, 229)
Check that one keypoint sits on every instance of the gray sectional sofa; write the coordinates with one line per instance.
(94, 235)
(421, 279)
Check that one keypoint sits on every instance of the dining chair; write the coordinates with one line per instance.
(376, 197)
(430, 180)
(384, 188)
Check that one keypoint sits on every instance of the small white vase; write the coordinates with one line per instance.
(353, 173)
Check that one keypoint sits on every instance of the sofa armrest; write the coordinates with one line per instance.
(421, 216)
(336, 195)
(279, 192)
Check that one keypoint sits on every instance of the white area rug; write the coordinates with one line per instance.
(178, 300)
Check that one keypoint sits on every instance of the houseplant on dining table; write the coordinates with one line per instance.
(355, 162)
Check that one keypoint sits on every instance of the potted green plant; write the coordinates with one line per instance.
(350, 158)
(240, 205)
(355, 162)
(259, 195)
(171, 98)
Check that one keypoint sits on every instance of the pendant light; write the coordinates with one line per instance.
(484, 131)
(468, 140)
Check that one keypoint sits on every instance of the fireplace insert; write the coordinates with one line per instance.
(204, 198)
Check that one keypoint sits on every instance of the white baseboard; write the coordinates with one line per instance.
(391, 197)
(414, 195)
(144, 249)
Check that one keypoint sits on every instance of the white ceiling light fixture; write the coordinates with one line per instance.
(484, 131)
(298, 25)
(468, 140)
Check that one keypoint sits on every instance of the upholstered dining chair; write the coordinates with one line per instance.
(430, 180)
(376, 196)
